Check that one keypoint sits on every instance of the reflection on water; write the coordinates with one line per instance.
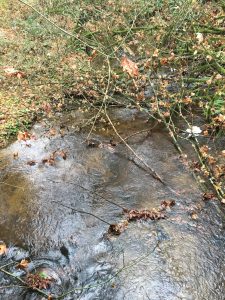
(177, 258)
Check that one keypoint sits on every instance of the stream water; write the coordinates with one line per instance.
(181, 257)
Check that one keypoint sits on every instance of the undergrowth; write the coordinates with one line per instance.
(70, 54)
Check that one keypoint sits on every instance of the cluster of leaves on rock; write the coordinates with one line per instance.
(144, 214)
(38, 280)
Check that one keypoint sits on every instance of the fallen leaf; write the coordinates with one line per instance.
(167, 203)
(15, 155)
(23, 264)
(93, 143)
(108, 147)
(3, 248)
(145, 214)
(218, 77)
(51, 159)
(140, 96)
(31, 162)
(194, 216)
(209, 57)
(166, 114)
(208, 196)
(12, 72)
(47, 107)
(117, 229)
(163, 61)
(93, 55)
(35, 281)
(63, 154)
(199, 37)
(129, 66)
(52, 132)
(23, 136)
(156, 53)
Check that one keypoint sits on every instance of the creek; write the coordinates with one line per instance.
(180, 257)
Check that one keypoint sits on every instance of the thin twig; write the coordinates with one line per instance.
(153, 172)
(11, 286)
(81, 212)
(104, 99)
(136, 133)
(90, 192)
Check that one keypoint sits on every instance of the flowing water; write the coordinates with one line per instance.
(181, 257)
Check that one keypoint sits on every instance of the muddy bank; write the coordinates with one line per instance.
(181, 257)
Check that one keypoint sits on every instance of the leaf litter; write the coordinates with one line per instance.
(37, 281)
(145, 214)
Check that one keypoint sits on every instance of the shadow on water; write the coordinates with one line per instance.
(177, 258)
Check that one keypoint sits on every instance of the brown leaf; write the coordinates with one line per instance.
(52, 132)
(63, 154)
(31, 162)
(15, 155)
(194, 216)
(47, 107)
(156, 53)
(35, 281)
(3, 248)
(93, 55)
(23, 136)
(23, 264)
(117, 229)
(167, 203)
(163, 61)
(12, 72)
(51, 159)
(145, 214)
(129, 66)
(92, 143)
(208, 196)
(140, 96)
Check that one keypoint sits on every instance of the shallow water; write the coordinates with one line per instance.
(176, 258)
